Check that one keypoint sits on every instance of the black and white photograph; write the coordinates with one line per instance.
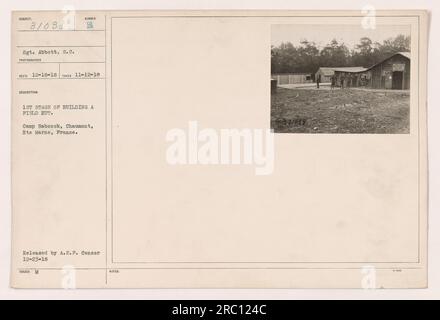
(340, 79)
(222, 159)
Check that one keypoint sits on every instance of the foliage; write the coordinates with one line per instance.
(308, 57)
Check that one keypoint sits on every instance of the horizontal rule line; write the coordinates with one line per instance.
(29, 62)
(263, 16)
(218, 268)
(58, 30)
(43, 46)
(263, 262)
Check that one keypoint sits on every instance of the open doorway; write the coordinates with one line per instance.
(397, 80)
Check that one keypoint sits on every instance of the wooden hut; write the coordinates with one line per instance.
(292, 78)
(350, 76)
(326, 74)
(392, 73)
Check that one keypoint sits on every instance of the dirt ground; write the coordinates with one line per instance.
(340, 111)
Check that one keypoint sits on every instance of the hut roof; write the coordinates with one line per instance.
(351, 69)
(403, 54)
(326, 71)
(329, 71)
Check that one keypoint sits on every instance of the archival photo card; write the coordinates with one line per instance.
(150, 151)
(340, 78)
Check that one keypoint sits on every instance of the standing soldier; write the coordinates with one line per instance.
(318, 80)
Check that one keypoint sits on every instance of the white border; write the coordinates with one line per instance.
(434, 153)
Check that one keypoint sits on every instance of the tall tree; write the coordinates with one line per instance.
(307, 57)
(335, 54)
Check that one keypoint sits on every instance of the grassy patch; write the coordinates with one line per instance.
(339, 111)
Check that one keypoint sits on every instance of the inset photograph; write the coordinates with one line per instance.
(340, 79)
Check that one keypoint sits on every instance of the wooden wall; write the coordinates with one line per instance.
(382, 74)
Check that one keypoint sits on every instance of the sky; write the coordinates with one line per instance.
(323, 34)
